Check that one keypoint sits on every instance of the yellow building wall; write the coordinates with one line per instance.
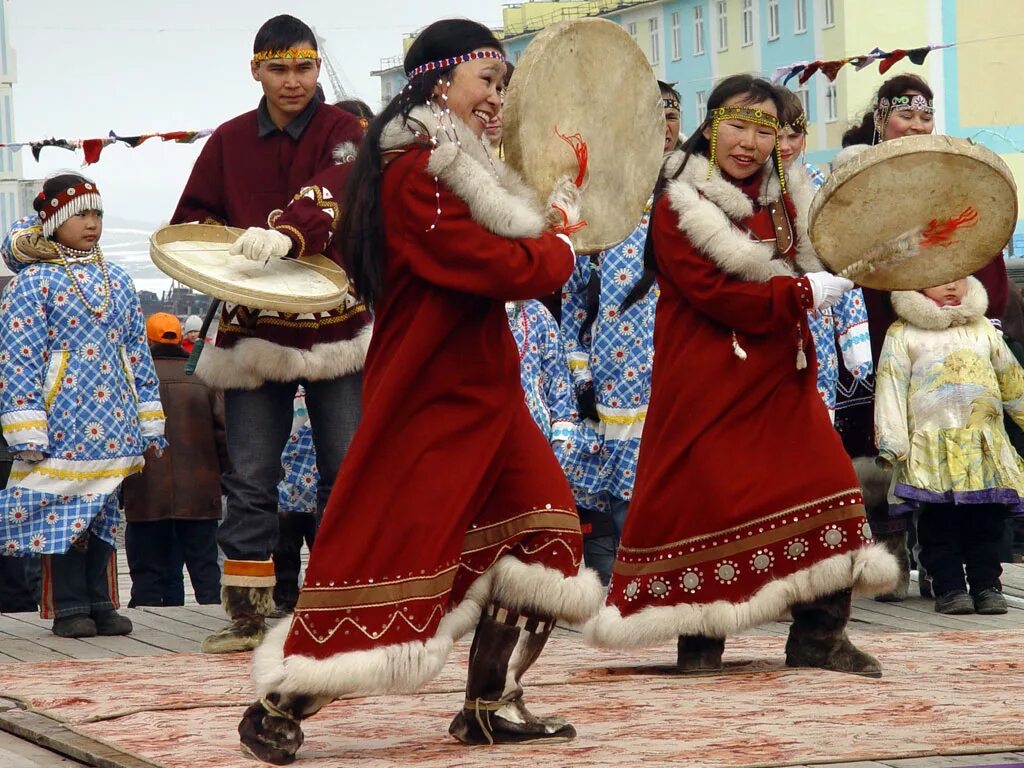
(989, 72)
(738, 58)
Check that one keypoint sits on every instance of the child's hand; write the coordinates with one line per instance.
(32, 457)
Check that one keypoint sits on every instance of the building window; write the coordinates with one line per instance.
(773, 19)
(805, 102)
(631, 28)
(830, 13)
(721, 10)
(831, 104)
(677, 43)
(748, 22)
(698, 30)
(702, 106)
(655, 32)
(799, 16)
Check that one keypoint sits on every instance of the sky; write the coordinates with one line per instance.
(143, 66)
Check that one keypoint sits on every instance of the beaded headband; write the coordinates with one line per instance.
(454, 60)
(670, 102)
(291, 53)
(68, 202)
(886, 107)
(757, 116)
(799, 125)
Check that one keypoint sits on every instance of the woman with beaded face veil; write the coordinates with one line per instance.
(903, 106)
(745, 504)
(450, 509)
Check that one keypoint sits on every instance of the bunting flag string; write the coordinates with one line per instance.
(804, 70)
(92, 148)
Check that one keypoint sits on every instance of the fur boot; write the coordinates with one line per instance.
(270, 729)
(896, 544)
(505, 645)
(248, 608)
(817, 638)
(698, 653)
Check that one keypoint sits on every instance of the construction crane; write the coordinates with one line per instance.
(340, 94)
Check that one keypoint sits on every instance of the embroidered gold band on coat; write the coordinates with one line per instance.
(331, 319)
(540, 520)
(825, 501)
(745, 544)
(374, 595)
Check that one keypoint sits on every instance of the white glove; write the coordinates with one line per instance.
(259, 244)
(826, 288)
(568, 197)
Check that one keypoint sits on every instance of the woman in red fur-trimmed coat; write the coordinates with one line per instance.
(745, 503)
(450, 509)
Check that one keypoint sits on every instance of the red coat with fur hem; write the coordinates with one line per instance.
(745, 501)
(447, 471)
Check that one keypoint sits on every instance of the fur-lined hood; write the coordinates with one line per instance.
(497, 197)
(921, 312)
(708, 208)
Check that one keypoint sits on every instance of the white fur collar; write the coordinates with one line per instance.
(921, 312)
(707, 209)
(497, 197)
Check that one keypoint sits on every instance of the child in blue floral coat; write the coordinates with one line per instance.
(79, 404)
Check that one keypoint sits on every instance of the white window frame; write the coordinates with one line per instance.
(748, 22)
(830, 14)
(698, 30)
(654, 30)
(702, 106)
(799, 17)
(773, 20)
(805, 100)
(722, 24)
(831, 103)
(677, 37)
(631, 28)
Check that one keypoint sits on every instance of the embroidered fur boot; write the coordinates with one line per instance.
(248, 608)
(896, 545)
(817, 638)
(270, 729)
(698, 653)
(505, 645)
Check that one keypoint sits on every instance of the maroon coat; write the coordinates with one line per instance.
(184, 483)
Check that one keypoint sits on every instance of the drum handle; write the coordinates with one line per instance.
(197, 350)
(888, 254)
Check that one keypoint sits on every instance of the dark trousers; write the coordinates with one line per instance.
(954, 538)
(79, 580)
(158, 550)
(258, 422)
(19, 584)
(601, 534)
(294, 528)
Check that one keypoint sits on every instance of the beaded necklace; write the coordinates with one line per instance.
(73, 254)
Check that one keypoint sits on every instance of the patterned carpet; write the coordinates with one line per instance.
(945, 693)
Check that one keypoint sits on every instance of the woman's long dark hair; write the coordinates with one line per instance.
(361, 236)
(900, 85)
(755, 90)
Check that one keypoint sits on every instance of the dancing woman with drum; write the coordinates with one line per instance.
(450, 509)
(903, 106)
(745, 503)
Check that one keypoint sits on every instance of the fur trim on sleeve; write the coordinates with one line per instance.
(801, 191)
(920, 311)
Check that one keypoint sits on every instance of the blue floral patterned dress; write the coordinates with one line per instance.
(76, 385)
(616, 354)
(297, 490)
(839, 331)
(542, 368)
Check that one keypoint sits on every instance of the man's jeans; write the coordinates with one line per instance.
(258, 423)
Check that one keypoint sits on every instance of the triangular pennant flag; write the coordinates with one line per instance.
(93, 147)
(131, 141)
(809, 70)
(896, 56)
(831, 68)
(918, 55)
(796, 70)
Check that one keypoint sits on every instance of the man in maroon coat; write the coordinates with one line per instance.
(273, 172)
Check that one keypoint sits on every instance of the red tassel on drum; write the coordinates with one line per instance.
(940, 233)
(565, 228)
(579, 148)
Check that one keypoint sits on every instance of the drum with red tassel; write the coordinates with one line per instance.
(584, 102)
